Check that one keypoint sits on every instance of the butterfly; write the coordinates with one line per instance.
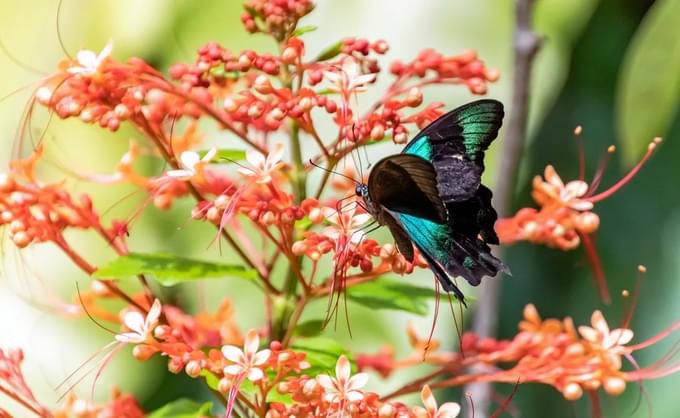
(431, 197)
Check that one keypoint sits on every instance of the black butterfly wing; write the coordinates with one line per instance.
(407, 184)
(455, 144)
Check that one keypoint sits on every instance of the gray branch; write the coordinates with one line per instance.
(525, 43)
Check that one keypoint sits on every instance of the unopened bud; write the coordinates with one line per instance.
(289, 55)
(230, 105)
(43, 95)
(316, 216)
(378, 132)
(143, 352)
(309, 387)
(614, 385)
(213, 214)
(414, 97)
(386, 411)
(299, 248)
(193, 368)
(21, 239)
(572, 392)
(262, 84)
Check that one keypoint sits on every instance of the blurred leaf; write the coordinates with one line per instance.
(304, 29)
(330, 52)
(310, 328)
(210, 379)
(170, 269)
(226, 154)
(322, 353)
(182, 408)
(392, 294)
(649, 85)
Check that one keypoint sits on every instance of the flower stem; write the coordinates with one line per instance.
(282, 317)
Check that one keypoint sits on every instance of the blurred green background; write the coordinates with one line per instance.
(611, 66)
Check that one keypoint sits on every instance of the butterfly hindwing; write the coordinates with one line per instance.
(451, 251)
(407, 184)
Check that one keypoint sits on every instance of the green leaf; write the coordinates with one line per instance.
(310, 328)
(170, 269)
(225, 155)
(182, 408)
(304, 29)
(330, 52)
(392, 294)
(210, 379)
(649, 86)
(322, 353)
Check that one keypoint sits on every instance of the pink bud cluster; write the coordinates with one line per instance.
(35, 212)
(275, 17)
(465, 67)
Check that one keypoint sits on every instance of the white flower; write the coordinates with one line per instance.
(263, 167)
(347, 224)
(140, 327)
(246, 361)
(348, 78)
(569, 194)
(600, 335)
(90, 61)
(447, 410)
(343, 387)
(190, 162)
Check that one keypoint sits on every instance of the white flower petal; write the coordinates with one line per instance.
(448, 410)
(428, 400)
(261, 357)
(599, 323)
(576, 188)
(581, 205)
(354, 396)
(154, 314)
(251, 343)
(360, 219)
(589, 334)
(619, 336)
(134, 321)
(179, 174)
(326, 382)
(77, 70)
(210, 155)
(106, 52)
(342, 370)
(357, 381)
(255, 374)
(87, 59)
(189, 159)
(233, 369)
(129, 337)
(255, 158)
(232, 353)
(276, 154)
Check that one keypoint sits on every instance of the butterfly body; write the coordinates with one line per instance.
(430, 196)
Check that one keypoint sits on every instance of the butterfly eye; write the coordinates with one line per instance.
(359, 190)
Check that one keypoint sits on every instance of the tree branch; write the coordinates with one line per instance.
(525, 43)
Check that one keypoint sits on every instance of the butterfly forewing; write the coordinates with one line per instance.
(407, 184)
(455, 144)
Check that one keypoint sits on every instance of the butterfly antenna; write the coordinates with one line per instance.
(61, 40)
(97, 323)
(334, 172)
